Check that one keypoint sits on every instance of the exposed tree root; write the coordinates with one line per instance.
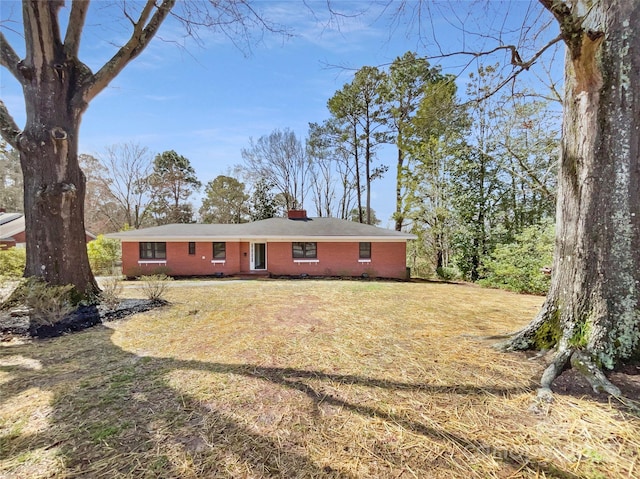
(564, 358)
(527, 338)
(581, 362)
(584, 364)
(552, 371)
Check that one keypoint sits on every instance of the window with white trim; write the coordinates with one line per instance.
(365, 250)
(153, 250)
(219, 250)
(304, 250)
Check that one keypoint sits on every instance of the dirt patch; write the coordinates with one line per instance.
(626, 377)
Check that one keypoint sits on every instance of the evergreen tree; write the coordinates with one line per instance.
(407, 84)
(225, 201)
(359, 109)
(263, 203)
(173, 181)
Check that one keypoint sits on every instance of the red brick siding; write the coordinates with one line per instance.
(245, 257)
(20, 237)
(388, 260)
(179, 262)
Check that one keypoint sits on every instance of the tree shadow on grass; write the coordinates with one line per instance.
(114, 414)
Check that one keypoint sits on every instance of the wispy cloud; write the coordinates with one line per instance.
(162, 98)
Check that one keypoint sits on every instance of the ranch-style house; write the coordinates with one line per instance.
(292, 246)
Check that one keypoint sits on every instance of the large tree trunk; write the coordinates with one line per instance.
(54, 185)
(592, 311)
(54, 192)
(57, 89)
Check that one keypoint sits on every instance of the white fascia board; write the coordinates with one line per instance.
(264, 239)
(335, 239)
(172, 239)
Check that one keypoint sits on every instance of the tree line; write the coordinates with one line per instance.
(470, 177)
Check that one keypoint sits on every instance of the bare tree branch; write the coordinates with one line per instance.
(520, 65)
(8, 57)
(143, 33)
(535, 181)
(8, 128)
(41, 33)
(77, 17)
(569, 24)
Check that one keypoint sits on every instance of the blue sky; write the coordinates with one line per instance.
(207, 100)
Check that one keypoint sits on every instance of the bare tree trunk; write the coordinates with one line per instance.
(54, 187)
(592, 311)
(399, 216)
(367, 163)
(357, 165)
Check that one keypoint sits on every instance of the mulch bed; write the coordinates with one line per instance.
(17, 323)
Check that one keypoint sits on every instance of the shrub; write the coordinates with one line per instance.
(104, 254)
(422, 268)
(155, 286)
(447, 273)
(48, 304)
(12, 262)
(517, 266)
(111, 291)
(148, 270)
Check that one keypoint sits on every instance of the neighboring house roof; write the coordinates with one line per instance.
(274, 229)
(11, 224)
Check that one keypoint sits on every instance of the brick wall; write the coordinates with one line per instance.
(388, 260)
(179, 262)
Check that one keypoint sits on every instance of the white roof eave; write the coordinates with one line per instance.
(275, 239)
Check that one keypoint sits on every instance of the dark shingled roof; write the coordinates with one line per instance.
(273, 228)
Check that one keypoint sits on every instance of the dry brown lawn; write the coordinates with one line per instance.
(302, 379)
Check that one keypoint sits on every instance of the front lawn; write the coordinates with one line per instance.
(303, 379)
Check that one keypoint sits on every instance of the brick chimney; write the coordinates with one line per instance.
(297, 214)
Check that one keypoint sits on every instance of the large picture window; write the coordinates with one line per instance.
(305, 250)
(219, 250)
(365, 250)
(153, 250)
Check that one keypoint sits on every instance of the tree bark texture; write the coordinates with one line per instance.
(593, 306)
(54, 184)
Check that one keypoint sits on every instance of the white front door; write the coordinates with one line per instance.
(258, 256)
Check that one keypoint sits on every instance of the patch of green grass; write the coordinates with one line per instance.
(102, 431)
(159, 464)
